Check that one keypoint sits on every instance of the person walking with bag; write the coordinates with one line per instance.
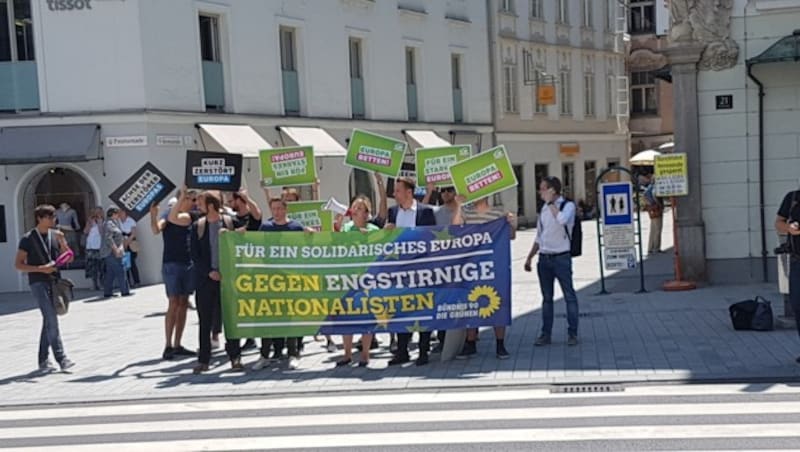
(36, 255)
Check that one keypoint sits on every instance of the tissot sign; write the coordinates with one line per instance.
(68, 5)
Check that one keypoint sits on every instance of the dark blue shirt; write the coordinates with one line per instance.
(271, 226)
(177, 242)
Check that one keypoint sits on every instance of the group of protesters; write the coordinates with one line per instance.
(191, 227)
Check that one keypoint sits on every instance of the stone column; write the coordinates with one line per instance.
(684, 58)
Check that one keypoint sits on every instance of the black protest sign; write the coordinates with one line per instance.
(213, 170)
(146, 187)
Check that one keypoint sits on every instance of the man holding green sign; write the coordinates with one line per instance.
(290, 166)
(483, 175)
(375, 153)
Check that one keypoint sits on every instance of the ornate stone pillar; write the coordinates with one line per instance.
(699, 40)
(691, 230)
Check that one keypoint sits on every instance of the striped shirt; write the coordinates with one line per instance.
(472, 216)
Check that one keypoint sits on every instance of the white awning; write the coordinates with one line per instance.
(236, 139)
(426, 139)
(324, 145)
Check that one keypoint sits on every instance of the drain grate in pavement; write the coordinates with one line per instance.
(576, 389)
(583, 315)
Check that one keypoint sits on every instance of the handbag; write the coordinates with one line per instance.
(60, 288)
(755, 314)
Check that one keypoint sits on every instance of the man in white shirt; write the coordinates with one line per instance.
(553, 231)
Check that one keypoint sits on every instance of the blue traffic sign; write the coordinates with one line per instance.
(617, 203)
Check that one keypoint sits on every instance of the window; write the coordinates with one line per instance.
(611, 95)
(539, 108)
(586, 13)
(209, 38)
(565, 95)
(643, 93)
(607, 8)
(562, 12)
(455, 69)
(507, 6)
(537, 9)
(588, 94)
(211, 62)
(411, 83)
(455, 66)
(642, 19)
(355, 58)
(290, 80)
(356, 78)
(288, 58)
(510, 89)
(16, 34)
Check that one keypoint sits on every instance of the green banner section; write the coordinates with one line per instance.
(311, 214)
(375, 153)
(433, 164)
(282, 167)
(483, 175)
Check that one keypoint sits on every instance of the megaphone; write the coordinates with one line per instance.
(335, 206)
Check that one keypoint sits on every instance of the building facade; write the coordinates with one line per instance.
(749, 151)
(89, 94)
(557, 68)
(650, 80)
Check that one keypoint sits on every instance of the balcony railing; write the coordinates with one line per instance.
(214, 84)
(19, 86)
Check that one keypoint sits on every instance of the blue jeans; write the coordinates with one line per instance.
(114, 271)
(50, 336)
(794, 289)
(550, 268)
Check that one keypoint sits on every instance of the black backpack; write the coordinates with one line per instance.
(755, 314)
(576, 238)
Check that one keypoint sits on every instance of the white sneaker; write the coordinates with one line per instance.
(294, 363)
(331, 347)
(261, 363)
(214, 344)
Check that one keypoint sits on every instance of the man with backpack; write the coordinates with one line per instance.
(557, 241)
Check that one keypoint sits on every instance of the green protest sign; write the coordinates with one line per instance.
(282, 167)
(433, 164)
(483, 175)
(311, 214)
(375, 153)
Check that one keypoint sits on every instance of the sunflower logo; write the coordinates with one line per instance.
(493, 300)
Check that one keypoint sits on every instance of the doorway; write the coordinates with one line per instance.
(59, 186)
(540, 171)
(519, 173)
(568, 179)
(589, 176)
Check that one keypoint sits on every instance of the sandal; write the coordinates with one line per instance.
(344, 362)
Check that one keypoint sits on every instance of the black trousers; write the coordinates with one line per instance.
(292, 344)
(209, 310)
(403, 339)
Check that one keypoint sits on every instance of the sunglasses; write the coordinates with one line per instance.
(448, 190)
